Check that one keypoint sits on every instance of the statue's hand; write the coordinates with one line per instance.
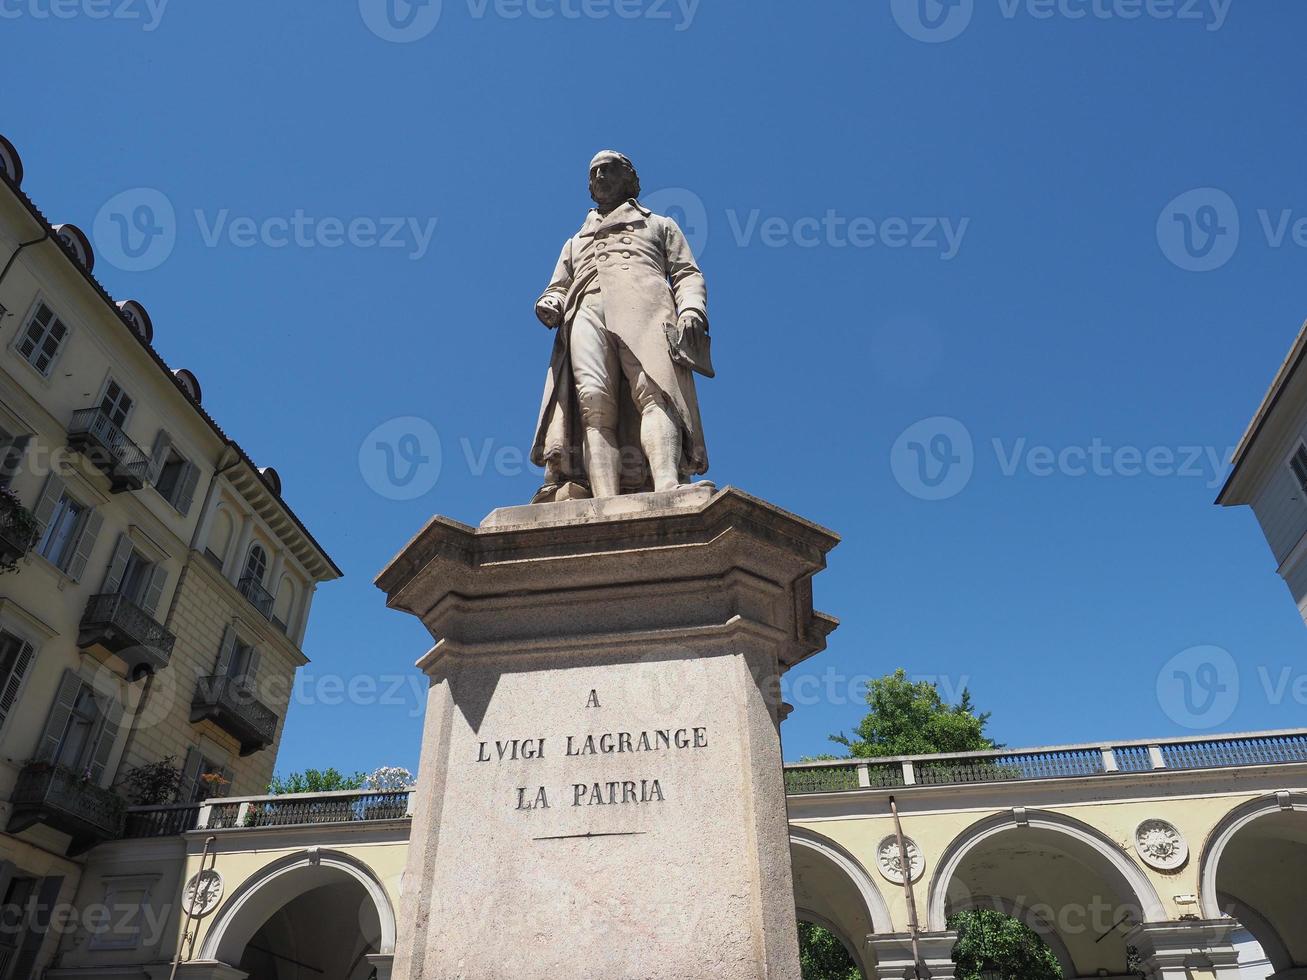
(690, 320)
(549, 310)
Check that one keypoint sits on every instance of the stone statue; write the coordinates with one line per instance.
(619, 413)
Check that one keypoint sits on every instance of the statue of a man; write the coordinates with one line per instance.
(619, 413)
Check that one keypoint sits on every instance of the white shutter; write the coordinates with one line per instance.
(154, 590)
(190, 776)
(159, 454)
(113, 577)
(186, 490)
(225, 651)
(85, 544)
(111, 716)
(49, 499)
(14, 682)
(60, 713)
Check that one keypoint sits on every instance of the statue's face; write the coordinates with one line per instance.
(611, 182)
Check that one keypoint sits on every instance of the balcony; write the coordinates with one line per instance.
(126, 630)
(62, 800)
(232, 706)
(94, 435)
(17, 530)
(260, 598)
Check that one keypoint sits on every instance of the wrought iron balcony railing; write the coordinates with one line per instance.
(1054, 762)
(169, 820)
(304, 809)
(123, 628)
(62, 799)
(94, 435)
(260, 598)
(231, 705)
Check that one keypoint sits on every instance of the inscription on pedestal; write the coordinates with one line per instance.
(648, 788)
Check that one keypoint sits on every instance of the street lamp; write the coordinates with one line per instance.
(988, 968)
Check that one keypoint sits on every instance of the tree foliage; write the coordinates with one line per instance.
(154, 783)
(315, 781)
(823, 957)
(1012, 947)
(911, 718)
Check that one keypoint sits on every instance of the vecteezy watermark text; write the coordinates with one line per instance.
(937, 21)
(935, 459)
(832, 230)
(149, 13)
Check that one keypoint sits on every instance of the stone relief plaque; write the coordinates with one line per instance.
(203, 893)
(1161, 845)
(889, 860)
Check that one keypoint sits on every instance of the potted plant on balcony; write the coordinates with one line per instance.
(17, 530)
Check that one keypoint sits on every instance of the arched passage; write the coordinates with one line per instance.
(1252, 868)
(1069, 883)
(834, 891)
(317, 910)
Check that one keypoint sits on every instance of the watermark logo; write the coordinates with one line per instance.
(687, 209)
(933, 21)
(1199, 687)
(136, 230)
(400, 21)
(933, 459)
(1199, 230)
(401, 459)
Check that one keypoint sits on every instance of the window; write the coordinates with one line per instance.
(237, 659)
(256, 564)
(68, 528)
(41, 341)
(16, 656)
(81, 730)
(202, 778)
(134, 575)
(57, 542)
(116, 403)
(13, 916)
(12, 449)
(173, 475)
(1298, 463)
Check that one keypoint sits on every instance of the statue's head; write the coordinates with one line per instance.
(612, 179)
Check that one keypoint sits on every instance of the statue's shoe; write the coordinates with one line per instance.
(552, 493)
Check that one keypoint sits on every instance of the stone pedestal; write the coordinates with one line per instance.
(601, 791)
(1188, 949)
(894, 955)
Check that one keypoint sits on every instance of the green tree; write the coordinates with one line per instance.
(315, 781)
(912, 718)
(823, 957)
(1012, 947)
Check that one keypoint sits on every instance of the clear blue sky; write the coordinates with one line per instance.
(1051, 146)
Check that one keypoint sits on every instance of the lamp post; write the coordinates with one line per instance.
(988, 968)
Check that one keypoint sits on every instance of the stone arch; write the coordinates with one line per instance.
(1131, 876)
(1285, 949)
(277, 884)
(847, 903)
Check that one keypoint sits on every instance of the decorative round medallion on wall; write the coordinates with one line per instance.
(889, 861)
(1160, 845)
(203, 893)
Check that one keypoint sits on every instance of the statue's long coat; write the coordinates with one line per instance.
(642, 264)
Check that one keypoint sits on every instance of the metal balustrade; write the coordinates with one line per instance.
(260, 598)
(160, 821)
(232, 705)
(304, 809)
(122, 627)
(1054, 762)
(99, 439)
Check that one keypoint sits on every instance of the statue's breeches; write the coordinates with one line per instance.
(599, 362)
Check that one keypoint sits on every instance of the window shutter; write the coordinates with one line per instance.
(186, 491)
(60, 712)
(225, 652)
(190, 776)
(9, 696)
(111, 716)
(154, 590)
(113, 578)
(1299, 466)
(252, 668)
(12, 450)
(45, 504)
(85, 544)
(159, 454)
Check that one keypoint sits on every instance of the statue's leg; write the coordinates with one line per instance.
(660, 433)
(596, 370)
